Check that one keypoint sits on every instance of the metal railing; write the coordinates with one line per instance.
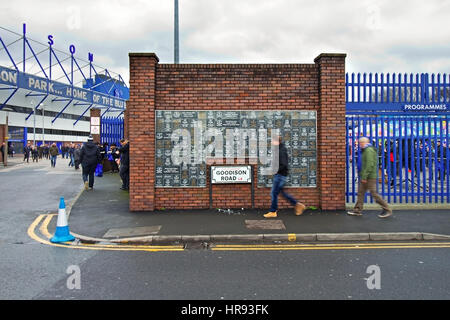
(414, 156)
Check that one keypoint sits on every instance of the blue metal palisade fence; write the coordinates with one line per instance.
(111, 130)
(407, 119)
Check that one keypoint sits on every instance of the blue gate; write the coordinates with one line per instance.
(407, 119)
(112, 130)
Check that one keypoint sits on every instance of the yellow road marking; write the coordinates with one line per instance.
(323, 248)
(329, 247)
(44, 229)
(261, 247)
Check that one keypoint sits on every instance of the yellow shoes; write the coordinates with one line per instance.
(270, 215)
(299, 209)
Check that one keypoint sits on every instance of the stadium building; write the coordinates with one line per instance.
(46, 94)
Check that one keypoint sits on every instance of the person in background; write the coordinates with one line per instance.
(46, 152)
(102, 149)
(26, 152)
(11, 149)
(71, 155)
(113, 155)
(2, 149)
(89, 158)
(53, 151)
(76, 156)
(125, 164)
(41, 151)
(35, 154)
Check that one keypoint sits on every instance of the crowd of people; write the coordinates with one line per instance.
(117, 157)
(49, 152)
(418, 154)
(92, 157)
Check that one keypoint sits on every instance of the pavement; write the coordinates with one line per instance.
(102, 215)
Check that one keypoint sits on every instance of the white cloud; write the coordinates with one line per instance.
(378, 36)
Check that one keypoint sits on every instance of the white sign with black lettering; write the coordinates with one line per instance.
(230, 175)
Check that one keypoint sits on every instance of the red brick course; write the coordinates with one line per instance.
(153, 86)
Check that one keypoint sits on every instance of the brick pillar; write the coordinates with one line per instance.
(141, 130)
(96, 113)
(331, 131)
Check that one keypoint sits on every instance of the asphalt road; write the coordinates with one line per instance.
(32, 270)
(267, 275)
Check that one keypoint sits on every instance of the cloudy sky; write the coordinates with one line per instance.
(378, 36)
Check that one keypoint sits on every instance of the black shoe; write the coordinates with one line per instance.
(385, 214)
(122, 188)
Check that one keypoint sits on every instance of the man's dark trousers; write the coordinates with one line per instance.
(89, 172)
(125, 176)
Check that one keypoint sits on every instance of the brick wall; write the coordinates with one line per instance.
(154, 86)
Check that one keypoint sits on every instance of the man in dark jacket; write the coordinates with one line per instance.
(125, 164)
(279, 181)
(26, 152)
(46, 152)
(113, 156)
(89, 158)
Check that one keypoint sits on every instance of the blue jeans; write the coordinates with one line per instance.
(72, 160)
(53, 160)
(278, 183)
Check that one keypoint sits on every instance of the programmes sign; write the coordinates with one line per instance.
(425, 107)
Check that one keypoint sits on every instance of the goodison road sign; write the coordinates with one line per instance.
(228, 174)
